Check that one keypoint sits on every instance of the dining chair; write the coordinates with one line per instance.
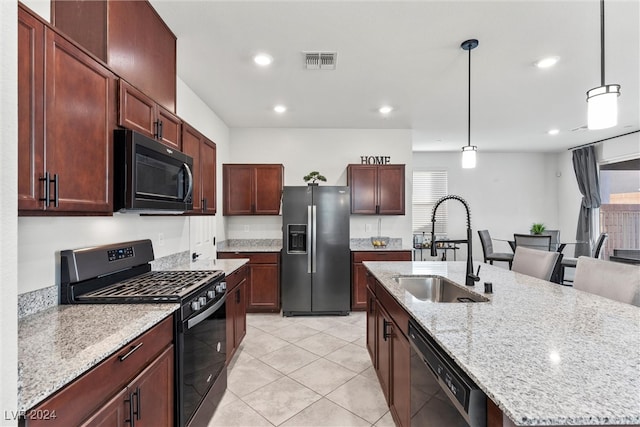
(535, 262)
(555, 239)
(571, 262)
(613, 280)
(487, 250)
(535, 241)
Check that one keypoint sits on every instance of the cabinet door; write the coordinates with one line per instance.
(362, 181)
(191, 141)
(137, 111)
(267, 189)
(170, 128)
(264, 288)
(80, 100)
(371, 326)
(230, 312)
(151, 393)
(237, 183)
(384, 327)
(391, 190)
(400, 379)
(113, 414)
(241, 313)
(208, 175)
(30, 111)
(359, 287)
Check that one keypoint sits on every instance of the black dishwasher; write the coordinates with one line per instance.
(441, 393)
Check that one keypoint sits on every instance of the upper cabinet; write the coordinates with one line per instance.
(71, 172)
(252, 189)
(377, 189)
(203, 152)
(130, 37)
(140, 113)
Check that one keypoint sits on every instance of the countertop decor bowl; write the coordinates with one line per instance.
(379, 241)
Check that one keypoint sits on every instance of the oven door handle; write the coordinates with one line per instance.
(202, 316)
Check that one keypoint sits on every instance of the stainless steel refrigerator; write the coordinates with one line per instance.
(316, 277)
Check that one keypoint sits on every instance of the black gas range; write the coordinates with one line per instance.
(121, 273)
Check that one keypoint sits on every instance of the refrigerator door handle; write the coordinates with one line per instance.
(309, 228)
(314, 235)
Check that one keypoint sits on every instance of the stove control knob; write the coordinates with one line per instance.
(195, 305)
(220, 288)
(202, 301)
(211, 294)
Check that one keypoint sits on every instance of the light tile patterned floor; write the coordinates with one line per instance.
(303, 372)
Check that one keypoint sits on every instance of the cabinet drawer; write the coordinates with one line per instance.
(236, 277)
(78, 400)
(381, 256)
(254, 257)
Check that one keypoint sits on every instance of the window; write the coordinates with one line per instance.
(620, 209)
(428, 187)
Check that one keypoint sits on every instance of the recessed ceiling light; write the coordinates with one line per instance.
(385, 109)
(263, 59)
(553, 132)
(547, 62)
(279, 109)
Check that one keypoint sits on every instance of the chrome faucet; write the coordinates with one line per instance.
(471, 278)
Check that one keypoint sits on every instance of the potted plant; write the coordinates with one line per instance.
(313, 177)
(537, 228)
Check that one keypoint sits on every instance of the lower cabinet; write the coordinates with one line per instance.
(389, 348)
(263, 279)
(236, 307)
(134, 387)
(358, 272)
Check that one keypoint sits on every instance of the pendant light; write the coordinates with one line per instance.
(469, 151)
(602, 101)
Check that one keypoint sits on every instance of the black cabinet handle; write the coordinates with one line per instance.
(138, 411)
(385, 334)
(47, 182)
(132, 349)
(56, 188)
(160, 127)
(204, 204)
(156, 129)
(130, 402)
(238, 297)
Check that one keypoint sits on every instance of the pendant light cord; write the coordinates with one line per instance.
(469, 106)
(601, 43)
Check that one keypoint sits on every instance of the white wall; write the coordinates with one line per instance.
(506, 193)
(8, 210)
(328, 151)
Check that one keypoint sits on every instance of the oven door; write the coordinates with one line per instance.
(202, 362)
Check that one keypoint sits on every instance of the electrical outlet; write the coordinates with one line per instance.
(246, 228)
(367, 228)
(160, 239)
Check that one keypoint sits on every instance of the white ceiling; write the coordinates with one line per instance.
(407, 54)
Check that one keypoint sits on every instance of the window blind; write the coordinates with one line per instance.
(428, 187)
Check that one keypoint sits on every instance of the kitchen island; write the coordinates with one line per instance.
(544, 354)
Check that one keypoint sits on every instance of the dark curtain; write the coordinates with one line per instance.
(586, 170)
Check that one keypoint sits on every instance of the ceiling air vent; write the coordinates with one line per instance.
(320, 60)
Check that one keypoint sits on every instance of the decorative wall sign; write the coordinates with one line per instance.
(375, 160)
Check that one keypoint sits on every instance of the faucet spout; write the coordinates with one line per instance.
(470, 278)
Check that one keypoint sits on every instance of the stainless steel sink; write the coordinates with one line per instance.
(437, 289)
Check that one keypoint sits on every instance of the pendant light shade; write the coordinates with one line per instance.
(602, 101)
(469, 151)
(469, 156)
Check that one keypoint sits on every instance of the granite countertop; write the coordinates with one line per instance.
(250, 245)
(545, 354)
(57, 345)
(394, 244)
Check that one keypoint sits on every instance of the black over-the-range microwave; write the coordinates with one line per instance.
(149, 176)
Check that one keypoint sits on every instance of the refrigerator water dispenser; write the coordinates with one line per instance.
(297, 239)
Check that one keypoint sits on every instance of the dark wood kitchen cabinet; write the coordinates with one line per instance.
(203, 152)
(252, 189)
(263, 280)
(358, 272)
(69, 101)
(236, 309)
(389, 348)
(377, 189)
(140, 113)
(139, 374)
(130, 37)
